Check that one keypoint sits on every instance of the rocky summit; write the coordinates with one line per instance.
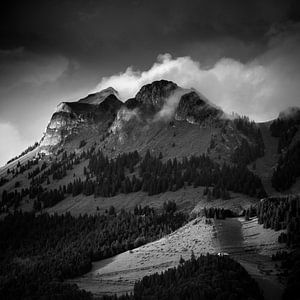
(196, 110)
(166, 168)
(97, 98)
(96, 110)
(153, 95)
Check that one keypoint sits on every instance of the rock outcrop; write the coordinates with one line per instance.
(196, 110)
(152, 96)
(71, 118)
(99, 97)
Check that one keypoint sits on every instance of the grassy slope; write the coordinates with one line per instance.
(189, 139)
(160, 137)
(23, 159)
(118, 274)
(186, 199)
(252, 245)
(176, 140)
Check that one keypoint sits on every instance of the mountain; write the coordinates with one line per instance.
(290, 113)
(153, 95)
(136, 120)
(196, 110)
(90, 114)
(97, 98)
(163, 118)
(152, 179)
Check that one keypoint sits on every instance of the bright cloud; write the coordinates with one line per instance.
(12, 143)
(260, 88)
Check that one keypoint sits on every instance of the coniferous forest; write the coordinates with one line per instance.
(128, 173)
(285, 129)
(288, 168)
(207, 277)
(284, 213)
(248, 151)
(281, 213)
(37, 252)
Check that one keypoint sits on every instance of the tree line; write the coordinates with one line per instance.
(131, 173)
(284, 129)
(37, 252)
(284, 213)
(207, 277)
(30, 148)
(288, 169)
(281, 213)
(252, 146)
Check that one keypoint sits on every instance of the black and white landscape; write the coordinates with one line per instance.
(121, 178)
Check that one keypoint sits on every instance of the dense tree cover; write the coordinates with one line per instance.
(20, 169)
(37, 170)
(206, 277)
(285, 129)
(129, 173)
(291, 265)
(3, 180)
(38, 251)
(82, 143)
(43, 197)
(288, 168)
(30, 148)
(110, 174)
(218, 213)
(282, 213)
(250, 212)
(248, 151)
(49, 198)
(216, 192)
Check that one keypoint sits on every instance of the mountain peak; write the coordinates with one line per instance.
(290, 113)
(195, 108)
(155, 93)
(98, 97)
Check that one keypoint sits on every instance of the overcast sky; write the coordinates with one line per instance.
(243, 55)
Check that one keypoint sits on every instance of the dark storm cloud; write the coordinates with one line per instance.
(59, 50)
(98, 28)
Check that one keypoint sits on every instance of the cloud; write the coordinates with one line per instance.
(19, 66)
(259, 88)
(170, 105)
(12, 143)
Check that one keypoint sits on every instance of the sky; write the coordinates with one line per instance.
(242, 55)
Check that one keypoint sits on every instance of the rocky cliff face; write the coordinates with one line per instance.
(99, 97)
(153, 95)
(71, 118)
(103, 114)
(196, 110)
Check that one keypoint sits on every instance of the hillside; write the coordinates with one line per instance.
(168, 154)
(163, 118)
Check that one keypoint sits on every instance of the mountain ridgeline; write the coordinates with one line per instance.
(137, 165)
(165, 139)
(158, 112)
